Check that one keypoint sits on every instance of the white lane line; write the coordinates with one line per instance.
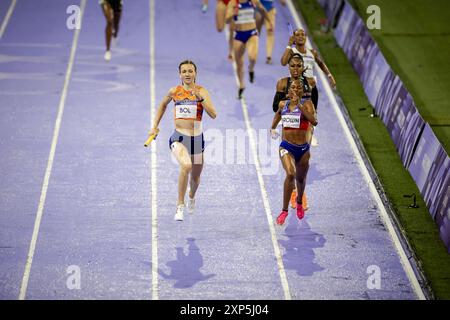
(48, 171)
(365, 172)
(7, 17)
(265, 198)
(155, 295)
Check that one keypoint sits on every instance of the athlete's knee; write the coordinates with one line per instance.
(196, 180)
(186, 167)
(300, 175)
(301, 172)
(290, 175)
(302, 168)
(239, 63)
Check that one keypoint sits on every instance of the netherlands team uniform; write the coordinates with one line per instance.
(187, 108)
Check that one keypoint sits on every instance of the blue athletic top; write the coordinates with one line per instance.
(267, 4)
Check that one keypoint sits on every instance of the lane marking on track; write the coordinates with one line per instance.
(365, 172)
(48, 171)
(7, 17)
(153, 161)
(265, 198)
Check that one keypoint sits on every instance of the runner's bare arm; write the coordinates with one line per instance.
(207, 103)
(161, 110)
(310, 113)
(277, 117)
(287, 52)
(324, 68)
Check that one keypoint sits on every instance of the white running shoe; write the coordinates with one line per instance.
(191, 205)
(314, 142)
(179, 214)
(108, 55)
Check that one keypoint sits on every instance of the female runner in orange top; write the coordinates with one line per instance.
(187, 143)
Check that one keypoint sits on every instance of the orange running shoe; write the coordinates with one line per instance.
(282, 217)
(305, 202)
(294, 199)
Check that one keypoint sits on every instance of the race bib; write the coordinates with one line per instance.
(245, 16)
(186, 111)
(291, 120)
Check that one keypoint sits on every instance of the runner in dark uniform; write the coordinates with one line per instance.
(112, 9)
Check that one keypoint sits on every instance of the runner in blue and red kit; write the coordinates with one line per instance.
(297, 115)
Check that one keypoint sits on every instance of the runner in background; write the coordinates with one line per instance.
(246, 37)
(204, 6)
(112, 9)
(260, 22)
(221, 11)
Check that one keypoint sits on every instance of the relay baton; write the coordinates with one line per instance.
(291, 30)
(149, 140)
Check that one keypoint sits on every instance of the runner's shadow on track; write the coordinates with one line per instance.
(299, 248)
(186, 268)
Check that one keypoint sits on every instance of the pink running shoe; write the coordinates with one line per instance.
(300, 212)
(282, 217)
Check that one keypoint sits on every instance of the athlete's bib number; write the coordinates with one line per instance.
(186, 111)
(291, 121)
(246, 16)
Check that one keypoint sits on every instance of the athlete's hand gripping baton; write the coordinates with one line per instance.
(149, 140)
